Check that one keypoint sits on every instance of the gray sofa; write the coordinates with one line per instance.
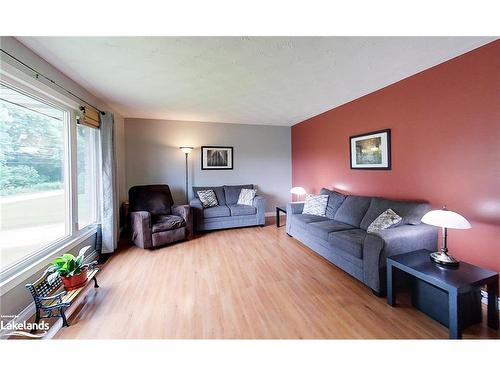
(341, 236)
(228, 214)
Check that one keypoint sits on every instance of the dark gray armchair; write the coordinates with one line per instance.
(154, 219)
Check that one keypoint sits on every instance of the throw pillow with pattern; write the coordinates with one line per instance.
(385, 220)
(246, 197)
(208, 198)
(315, 205)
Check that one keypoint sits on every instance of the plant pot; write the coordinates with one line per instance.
(76, 281)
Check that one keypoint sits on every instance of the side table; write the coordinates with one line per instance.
(278, 210)
(456, 283)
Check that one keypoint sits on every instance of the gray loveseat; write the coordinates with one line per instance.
(341, 236)
(228, 214)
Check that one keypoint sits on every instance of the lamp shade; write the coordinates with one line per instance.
(186, 149)
(446, 219)
(298, 190)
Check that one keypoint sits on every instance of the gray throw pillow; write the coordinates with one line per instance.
(207, 198)
(385, 220)
(246, 196)
(315, 205)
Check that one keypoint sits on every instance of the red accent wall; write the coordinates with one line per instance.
(445, 129)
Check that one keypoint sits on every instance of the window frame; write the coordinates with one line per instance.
(39, 259)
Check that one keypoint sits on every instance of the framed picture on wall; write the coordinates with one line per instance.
(216, 157)
(371, 150)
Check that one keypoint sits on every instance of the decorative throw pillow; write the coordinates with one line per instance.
(315, 205)
(246, 197)
(385, 220)
(208, 198)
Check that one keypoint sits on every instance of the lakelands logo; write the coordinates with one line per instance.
(13, 328)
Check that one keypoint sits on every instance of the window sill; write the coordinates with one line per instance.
(19, 273)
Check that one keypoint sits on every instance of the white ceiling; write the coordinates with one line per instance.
(245, 80)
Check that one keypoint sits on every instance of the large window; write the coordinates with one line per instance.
(36, 169)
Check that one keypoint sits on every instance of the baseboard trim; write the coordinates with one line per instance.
(273, 214)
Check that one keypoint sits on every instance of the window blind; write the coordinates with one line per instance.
(89, 116)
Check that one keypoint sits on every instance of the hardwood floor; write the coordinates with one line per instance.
(240, 283)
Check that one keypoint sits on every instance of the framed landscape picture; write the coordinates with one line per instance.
(216, 157)
(371, 150)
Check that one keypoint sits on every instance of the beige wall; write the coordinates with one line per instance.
(262, 156)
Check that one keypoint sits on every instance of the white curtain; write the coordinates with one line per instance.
(109, 203)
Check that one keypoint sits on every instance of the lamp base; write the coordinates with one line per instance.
(443, 258)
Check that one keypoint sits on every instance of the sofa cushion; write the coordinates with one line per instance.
(350, 241)
(219, 192)
(161, 223)
(217, 211)
(353, 209)
(241, 210)
(232, 192)
(411, 212)
(301, 220)
(335, 199)
(322, 229)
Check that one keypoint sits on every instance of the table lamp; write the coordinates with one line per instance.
(445, 219)
(298, 191)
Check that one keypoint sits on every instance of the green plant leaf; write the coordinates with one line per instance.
(67, 257)
(79, 260)
(51, 279)
(83, 251)
(58, 262)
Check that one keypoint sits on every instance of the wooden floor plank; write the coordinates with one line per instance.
(248, 283)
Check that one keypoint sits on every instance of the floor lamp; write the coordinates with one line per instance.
(186, 150)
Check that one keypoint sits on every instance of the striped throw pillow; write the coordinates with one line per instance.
(208, 198)
(315, 205)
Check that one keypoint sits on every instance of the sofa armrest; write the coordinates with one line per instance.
(292, 208)
(140, 224)
(259, 202)
(398, 240)
(196, 203)
(184, 211)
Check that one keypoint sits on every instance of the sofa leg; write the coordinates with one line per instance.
(289, 235)
(378, 294)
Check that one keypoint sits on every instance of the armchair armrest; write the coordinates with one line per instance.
(184, 211)
(259, 202)
(197, 212)
(398, 240)
(140, 224)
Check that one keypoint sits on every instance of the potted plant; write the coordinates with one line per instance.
(70, 269)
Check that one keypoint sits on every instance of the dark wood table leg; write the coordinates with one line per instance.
(492, 289)
(277, 217)
(391, 292)
(455, 321)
